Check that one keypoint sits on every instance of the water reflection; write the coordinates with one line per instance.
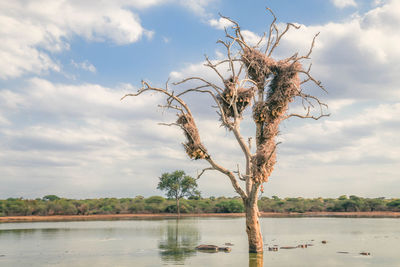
(179, 241)
(172, 242)
(256, 260)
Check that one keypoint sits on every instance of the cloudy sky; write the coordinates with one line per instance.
(64, 65)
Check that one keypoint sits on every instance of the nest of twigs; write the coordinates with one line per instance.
(264, 159)
(193, 146)
(232, 95)
(263, 162)
(260, 112)
(282, 90)
(284, 87)
(258, 65)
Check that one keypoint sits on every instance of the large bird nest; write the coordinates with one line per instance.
(260, 112)
(240, 96)
(258, 66)
(283, 88)
(193, 145)
(263, 162)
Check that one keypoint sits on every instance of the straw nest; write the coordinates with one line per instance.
(193, 146)
(258, 66)
(241, 97)
(265, 158)
(282, 89)
(263, 162)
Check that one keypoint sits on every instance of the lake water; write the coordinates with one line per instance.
(169, 242)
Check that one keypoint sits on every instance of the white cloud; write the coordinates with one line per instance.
(356, 57)
(66, 137)
(357, 61)
(368, 133)
(344, 3)
(197, 6)
(337, 105)
(220, 24)
(58, 134)
(253, 39)
(85, 65)
(377, 2)
(166, 40)
(33, 32)
(250, 37)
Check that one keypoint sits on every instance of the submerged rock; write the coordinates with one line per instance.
(207, 247)
(212, 248)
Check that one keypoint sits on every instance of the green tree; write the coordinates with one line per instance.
(178, 185)
(51, 198)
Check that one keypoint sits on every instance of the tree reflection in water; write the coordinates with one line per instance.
(256, 260)
(179, 241)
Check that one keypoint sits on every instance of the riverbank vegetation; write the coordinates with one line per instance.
(54, 205)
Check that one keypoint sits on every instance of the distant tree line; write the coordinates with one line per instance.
(54, 205)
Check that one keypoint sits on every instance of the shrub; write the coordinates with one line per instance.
(230, 206)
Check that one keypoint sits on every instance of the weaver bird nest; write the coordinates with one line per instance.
(193, 146)
(240, 96)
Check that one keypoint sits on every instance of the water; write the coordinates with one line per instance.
(170, 242)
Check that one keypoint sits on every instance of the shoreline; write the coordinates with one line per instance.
(101, 217)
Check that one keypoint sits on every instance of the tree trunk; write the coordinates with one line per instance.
(253, 227)
(178, 211)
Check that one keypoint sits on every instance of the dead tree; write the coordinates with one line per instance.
(255, 79)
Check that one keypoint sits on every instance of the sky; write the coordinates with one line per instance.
(64, 65)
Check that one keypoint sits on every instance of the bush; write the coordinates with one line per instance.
(154, 200)
(51, 198)
(230, 206)
(394, 205)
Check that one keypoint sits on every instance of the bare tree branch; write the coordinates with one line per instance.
(311, 48)
(306, 116)
(214, 67)
(279, 37)
(269, 42)
(216, 87)
(318, 83)
(240, 176)
(231, 176)
(203, 171)
(169, 124)
(261, 39)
